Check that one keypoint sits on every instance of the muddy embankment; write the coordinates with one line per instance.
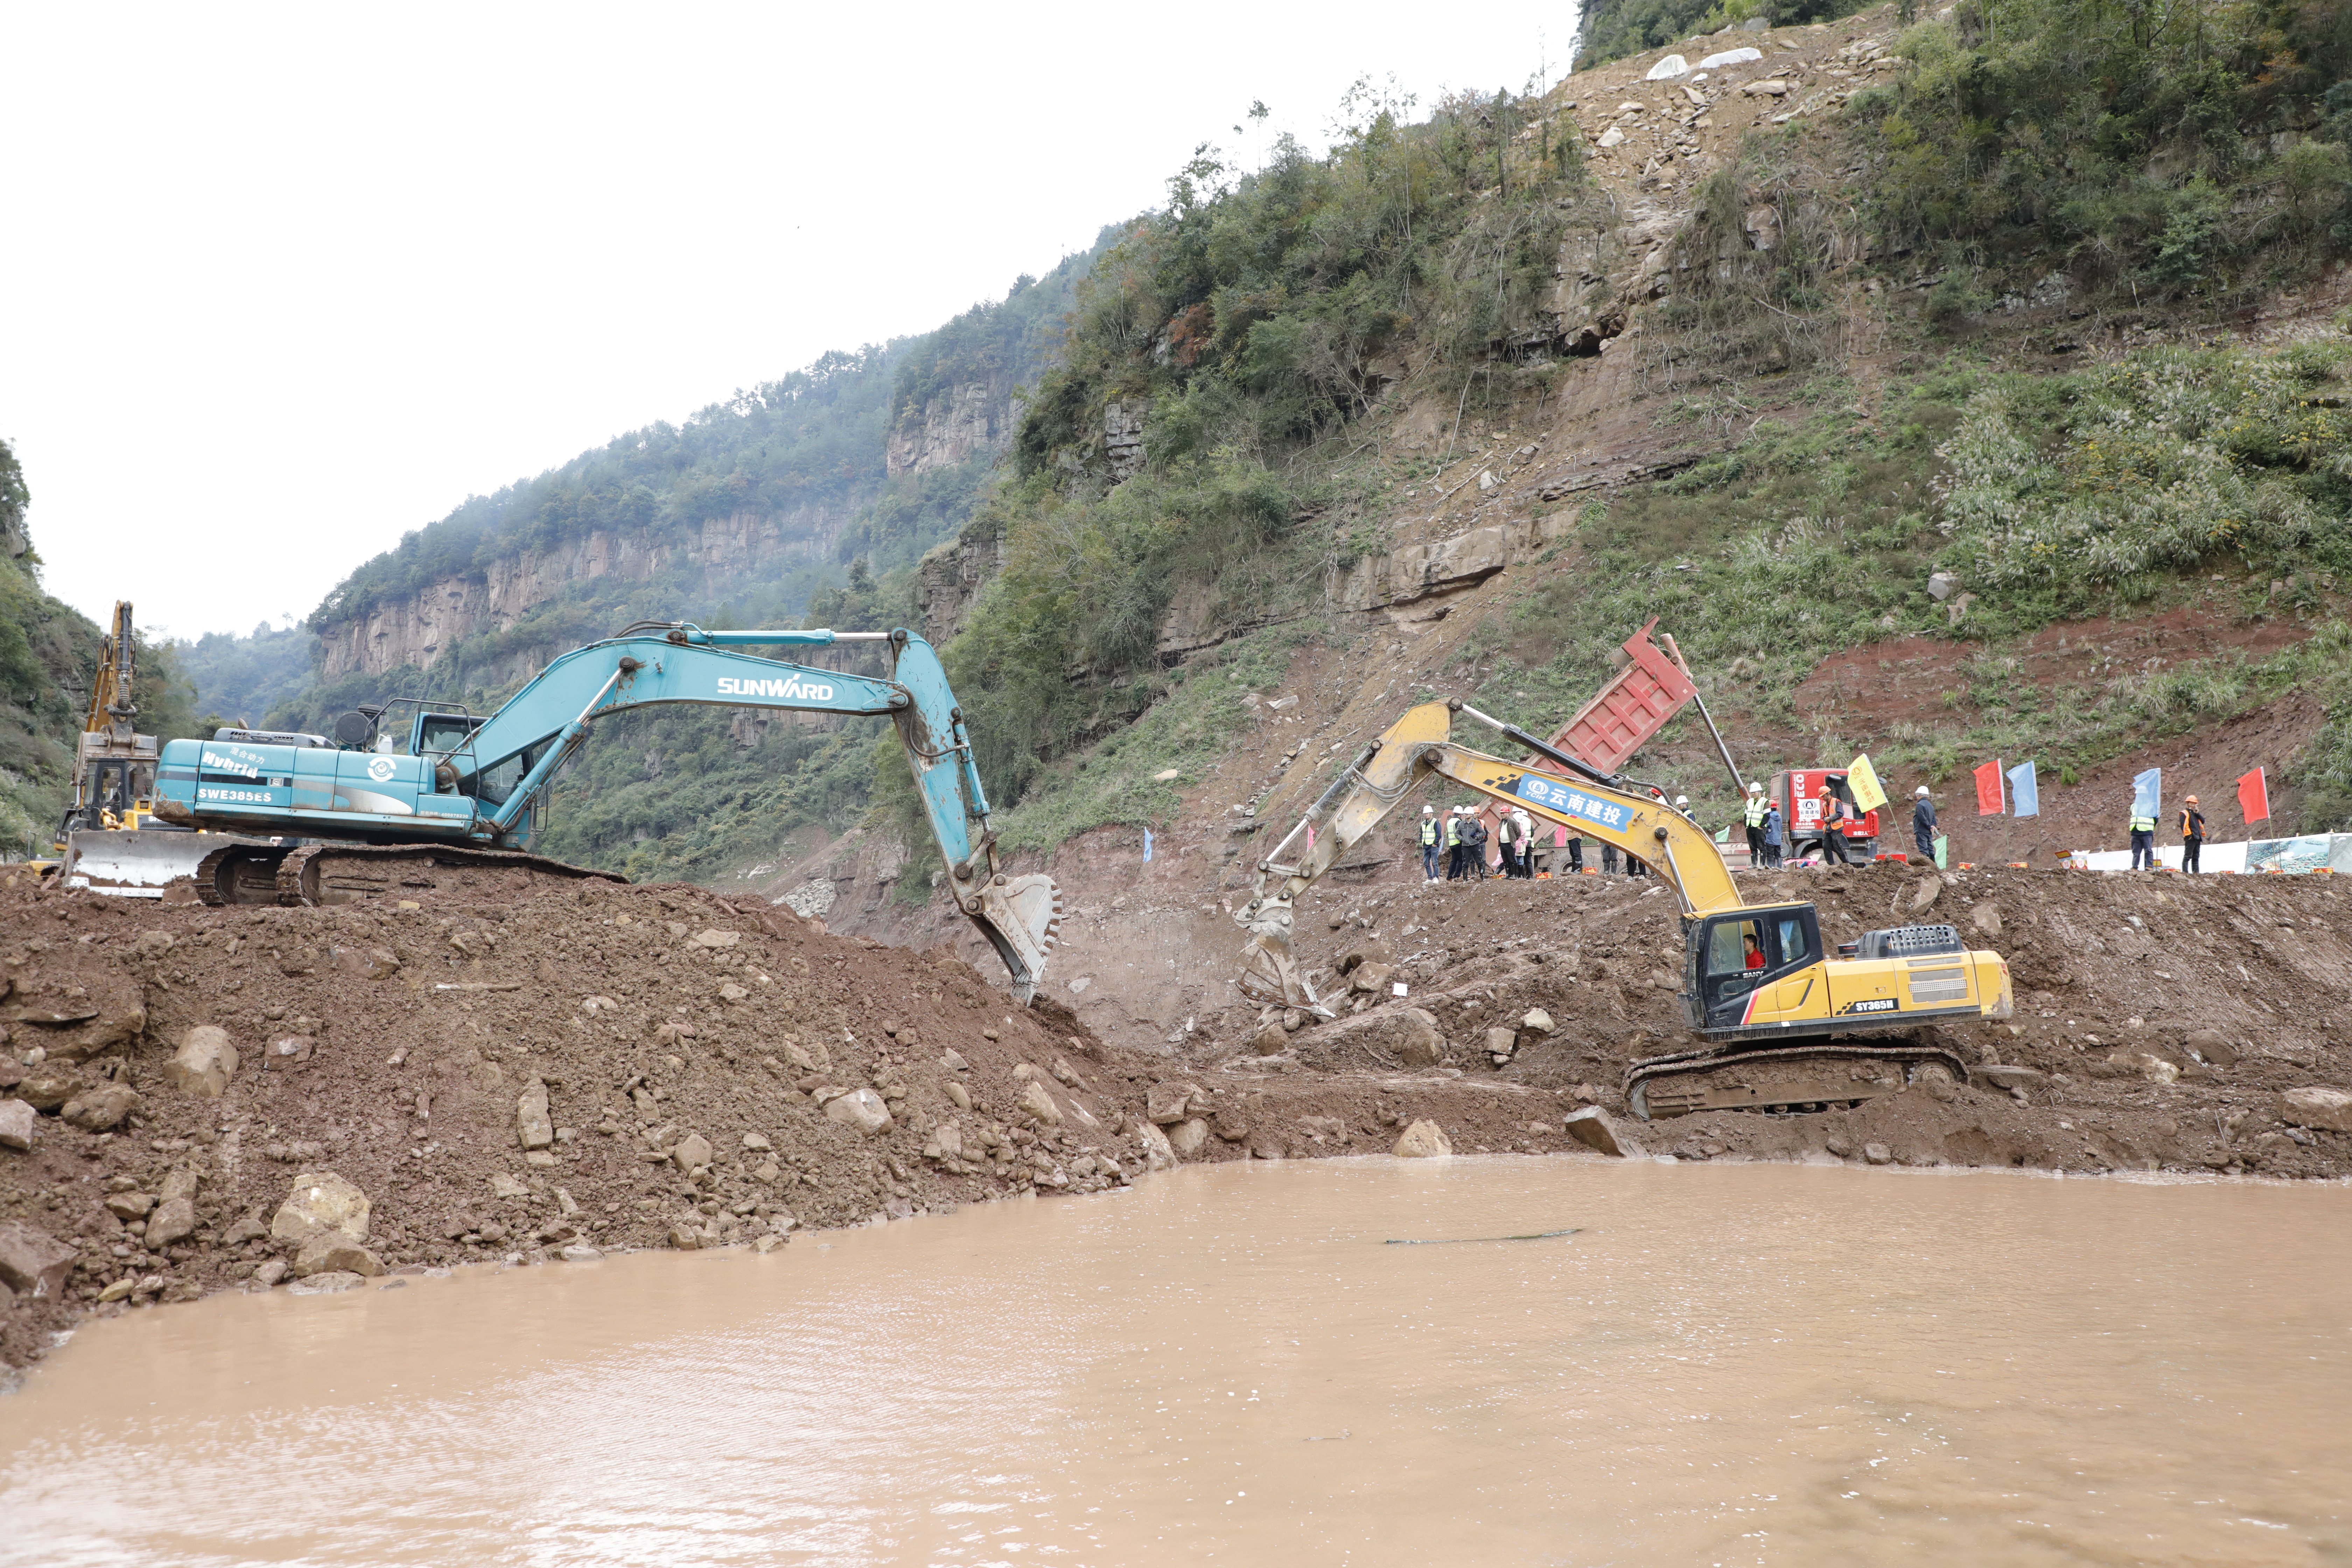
(194, 1100)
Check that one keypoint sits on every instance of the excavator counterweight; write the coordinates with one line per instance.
(1776, 1011)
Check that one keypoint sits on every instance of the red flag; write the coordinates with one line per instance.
(1989, 798)
(2255, 796)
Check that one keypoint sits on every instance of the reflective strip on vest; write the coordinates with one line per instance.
(1428, 832)
(1756, 806)
(2143, 824)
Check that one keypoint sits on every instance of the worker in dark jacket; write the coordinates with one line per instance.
(1923, 824)
(2192, 835)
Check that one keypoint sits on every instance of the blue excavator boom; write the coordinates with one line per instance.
(448, 801)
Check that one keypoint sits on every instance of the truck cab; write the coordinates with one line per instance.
(1798, 794)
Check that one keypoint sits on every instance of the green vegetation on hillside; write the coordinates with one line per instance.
(2171, 477)
(48, 653)
(1250, 322)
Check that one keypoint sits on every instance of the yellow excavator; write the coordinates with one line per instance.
(1784, 1023)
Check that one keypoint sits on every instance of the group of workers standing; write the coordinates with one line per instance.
(1457, 842)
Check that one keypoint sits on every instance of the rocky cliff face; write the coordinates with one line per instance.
(973, 417)
(414, 631)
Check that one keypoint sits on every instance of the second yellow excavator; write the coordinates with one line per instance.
(1780, 1018)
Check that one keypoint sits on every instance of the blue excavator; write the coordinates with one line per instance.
(417, 800)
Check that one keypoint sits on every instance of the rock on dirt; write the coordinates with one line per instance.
(331, 1252)
(1596, 1128)
(1425, 1139)
(2330, 1110)
(1188, 1137)
(1400, 1036)
(1038, 1102)
(15, 1124)
(33, 1262)
(532, 1123)
(204, 1062)
(319, 1202)
(100, 1108)
(865, 1110)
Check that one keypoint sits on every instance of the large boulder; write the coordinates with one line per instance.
(319, 1202)
(33, 1262)
(1188, 1137)
(15, 1124)
(1425, 1139)
(1406, 1035)
(204, 1062)
(2330, 1110)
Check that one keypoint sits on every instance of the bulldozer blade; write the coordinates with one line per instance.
(1022, 917)
(133, 864)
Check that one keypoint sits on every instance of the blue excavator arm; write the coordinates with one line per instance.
(537, 728)
(329, 820)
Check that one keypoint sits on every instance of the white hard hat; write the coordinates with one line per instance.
(1427, 809)
(1681, 799)
(1755, 789)
(1923, 792)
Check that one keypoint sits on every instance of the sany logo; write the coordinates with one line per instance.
(731, 686)
(221, 763)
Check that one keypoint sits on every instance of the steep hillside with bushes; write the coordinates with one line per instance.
(49, 656)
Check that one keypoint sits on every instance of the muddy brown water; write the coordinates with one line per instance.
(1732, 1364)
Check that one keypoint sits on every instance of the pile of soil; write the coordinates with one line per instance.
(687, 1049)
(606, 1068)
(2159, 1020)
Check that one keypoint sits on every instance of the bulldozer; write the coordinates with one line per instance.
(419, 800)
(1783, 1026)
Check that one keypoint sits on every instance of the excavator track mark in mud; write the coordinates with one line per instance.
(1782, 1080)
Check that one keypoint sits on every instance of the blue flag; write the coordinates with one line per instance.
(1147, 843)
(2147, 793)
(2025, 795)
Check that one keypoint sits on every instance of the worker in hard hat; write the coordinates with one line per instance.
(1758, 804)
(2192, 835)
(1433, 840)
(1923, 824)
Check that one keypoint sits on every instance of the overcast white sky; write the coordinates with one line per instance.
(278, 284)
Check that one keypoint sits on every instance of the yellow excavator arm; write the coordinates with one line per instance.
(1415, 749)
(1776, 1009)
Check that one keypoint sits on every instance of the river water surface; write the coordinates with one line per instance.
(1724, 1364)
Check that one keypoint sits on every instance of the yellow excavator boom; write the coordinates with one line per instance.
(1754, 975)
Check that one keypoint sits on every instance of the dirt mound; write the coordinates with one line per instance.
(615, 1068)
(2159, 1020)
(606, 1067)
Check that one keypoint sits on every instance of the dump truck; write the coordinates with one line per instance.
(1780, 1024)
(422, 800)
